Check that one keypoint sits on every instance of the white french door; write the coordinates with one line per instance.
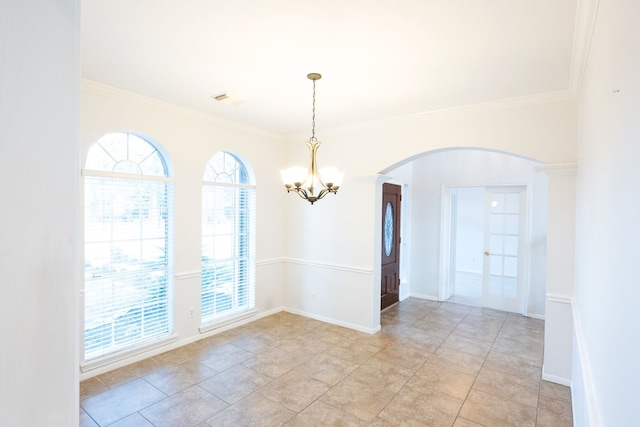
(484, 246)
(503, 266)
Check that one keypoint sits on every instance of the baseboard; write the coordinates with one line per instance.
(333, 321)
(424, 296)
(555, 379)
(534, 316)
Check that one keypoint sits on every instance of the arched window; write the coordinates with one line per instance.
(128, 199)
(228, 239)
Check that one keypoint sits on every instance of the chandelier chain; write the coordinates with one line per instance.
(313, 114)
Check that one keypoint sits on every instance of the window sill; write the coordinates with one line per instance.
(127, 353)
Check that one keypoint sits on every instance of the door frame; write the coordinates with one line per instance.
(445, 276)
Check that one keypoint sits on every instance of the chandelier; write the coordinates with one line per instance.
(306, 181)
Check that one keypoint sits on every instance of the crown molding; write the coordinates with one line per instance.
(586, 12)
(470, 109)
(123, 95)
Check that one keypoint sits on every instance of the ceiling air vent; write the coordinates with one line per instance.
(224, 97)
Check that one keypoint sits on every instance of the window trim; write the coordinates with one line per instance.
(215, 322)
(134, 348)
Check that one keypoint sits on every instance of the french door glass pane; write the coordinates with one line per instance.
(511, 224)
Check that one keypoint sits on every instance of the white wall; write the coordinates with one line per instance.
(333, 269)
(608, 209)
(190, 140)
(39, 80)
(541, 130)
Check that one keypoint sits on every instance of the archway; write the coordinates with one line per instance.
(426, 176)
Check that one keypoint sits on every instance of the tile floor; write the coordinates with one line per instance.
(433, 364)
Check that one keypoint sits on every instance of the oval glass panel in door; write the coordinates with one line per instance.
(388, 229)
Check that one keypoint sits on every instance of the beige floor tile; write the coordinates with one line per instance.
(388, 322)
(436, 328)
(330, 336)
(447, 316)
(235, 383)
(253, 410)
(516, 319)
(217, 340)
(445, 381)
(488, 312)
(489, 410)
(284, 329)
(417, 304)
(522, 334)
(258, 342)
(353, 351)
(455, 307)
(420, 339)
(405, 356)
(514, 365)
(381, 339)
(485, 322)
(461, 422)
(294, 390)
(362, 400)
(130, 372)
(326, 368)
(519, 389)
(382, 374)
(187, 408)
(456, 360)
(423, 406)
(90, 387)
(388, 419)
(274, 362)
(175, 378)
(555, 391)
(322, 414)
(122, 401)
(224, 357)
(345, 333)
(303, 344)
(528, 350)
(404, 316)
(467, 345)
(134, 420)
(180, 355)
(288, 369)
(86, 420)
(554, 412)
(477, 332)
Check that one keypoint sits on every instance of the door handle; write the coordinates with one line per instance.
(486, 253)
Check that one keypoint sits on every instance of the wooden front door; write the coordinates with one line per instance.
(390, 271)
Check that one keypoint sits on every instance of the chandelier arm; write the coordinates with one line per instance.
(323, 193)
(302, 193)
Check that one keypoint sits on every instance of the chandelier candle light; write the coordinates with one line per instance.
(305, 181)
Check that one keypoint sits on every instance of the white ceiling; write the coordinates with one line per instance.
(378, 58)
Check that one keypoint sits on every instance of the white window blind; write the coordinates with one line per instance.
(228, 239)
(128, 222)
